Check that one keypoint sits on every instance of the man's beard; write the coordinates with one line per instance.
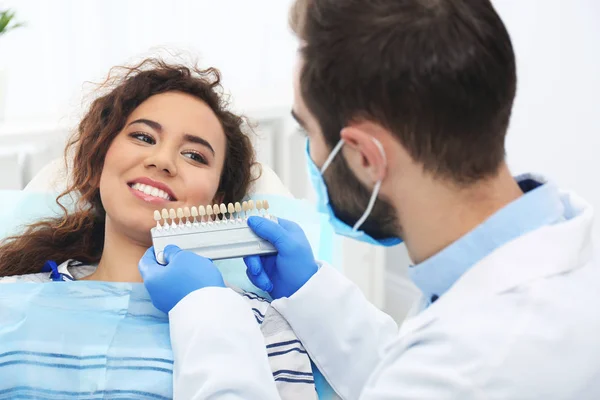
(349, 200)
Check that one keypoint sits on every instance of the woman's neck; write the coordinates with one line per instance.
(120, 257)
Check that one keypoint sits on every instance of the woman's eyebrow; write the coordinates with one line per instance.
(198, 140)
(152, 124)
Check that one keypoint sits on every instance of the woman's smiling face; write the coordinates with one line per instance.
(169, 154)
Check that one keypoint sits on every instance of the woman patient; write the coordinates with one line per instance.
(160, 137)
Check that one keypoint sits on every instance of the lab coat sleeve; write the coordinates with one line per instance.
(218, 349)
(432, 366)
(344, 334)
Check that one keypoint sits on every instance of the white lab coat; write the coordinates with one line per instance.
(521, 324)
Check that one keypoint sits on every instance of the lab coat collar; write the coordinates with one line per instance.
(539, 205)
(547, 251)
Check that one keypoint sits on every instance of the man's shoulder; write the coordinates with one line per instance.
(520, 338)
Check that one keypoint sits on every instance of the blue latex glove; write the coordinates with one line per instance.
(282, 274)
(184, 273)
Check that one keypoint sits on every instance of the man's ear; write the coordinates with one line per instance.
(364, 153)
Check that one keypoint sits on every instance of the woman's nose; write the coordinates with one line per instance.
(162, 160)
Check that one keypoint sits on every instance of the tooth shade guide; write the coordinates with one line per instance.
(201, 213)
(217, 241)
(225, 227)
(186, 214)
(238, 210)
(157, 218)
(223, 209)
(165, 217)
(250, 208)
(172, 216)
(183, 216)
(209, 213)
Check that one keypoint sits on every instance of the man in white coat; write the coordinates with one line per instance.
(406, 104)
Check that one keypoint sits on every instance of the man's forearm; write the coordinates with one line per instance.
(218, 349)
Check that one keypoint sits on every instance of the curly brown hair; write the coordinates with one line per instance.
(80, 234)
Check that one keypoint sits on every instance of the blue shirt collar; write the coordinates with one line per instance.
(540, 205)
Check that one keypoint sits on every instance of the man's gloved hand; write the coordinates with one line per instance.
(282, 274)
(184, 273)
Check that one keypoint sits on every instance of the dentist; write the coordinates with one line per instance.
(406, 104)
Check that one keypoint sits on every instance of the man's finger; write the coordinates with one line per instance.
(261, 281)
(254, 264)
(147, 262)
(267, 230)
(170, 252)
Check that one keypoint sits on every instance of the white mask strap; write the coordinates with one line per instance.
(375, 193)
(369, 207)
(332, 155)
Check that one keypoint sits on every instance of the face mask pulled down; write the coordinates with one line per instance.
(324, 205)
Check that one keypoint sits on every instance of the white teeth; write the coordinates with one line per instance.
(151, 191)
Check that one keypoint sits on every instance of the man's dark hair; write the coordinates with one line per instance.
(439, 74)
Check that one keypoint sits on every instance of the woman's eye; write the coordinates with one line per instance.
(143, 137)
(197, 157)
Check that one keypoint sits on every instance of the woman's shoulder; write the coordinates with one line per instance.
(69, 270)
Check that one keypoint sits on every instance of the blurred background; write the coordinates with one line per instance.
(44, 67)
